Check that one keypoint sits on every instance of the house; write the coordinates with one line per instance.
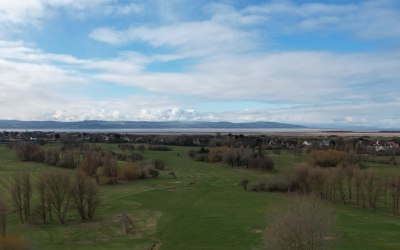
(324, 143)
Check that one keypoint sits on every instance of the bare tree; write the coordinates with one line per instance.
(3, 215)
(110, 167)
(318, 181)
(93, 199)
(373, 189)
(26, 195)
(84, 192)
(358, 177)
(340, 182)
(44, 207)
(16, 194)
(395, 193)
(59, 194)
(91, 161)
(21, 192)
(303, 223)
(349, 177)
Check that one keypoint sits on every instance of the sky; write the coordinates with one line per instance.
(315, 63)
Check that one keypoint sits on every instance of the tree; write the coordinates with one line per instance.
(373, 188)
(26, 195)
(303, 223)
(110, 168)
(44, 207)
(3, 214)
(84, 193)
(21, 193)
(16, 194)
(91, 161)
(93, 199)
(328, 158)
(59, 194)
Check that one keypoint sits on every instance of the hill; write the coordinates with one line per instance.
(95, 124)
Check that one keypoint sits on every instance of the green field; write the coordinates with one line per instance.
(204, 208)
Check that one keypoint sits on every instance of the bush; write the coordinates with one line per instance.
(244, 183)
(192, 153)
(30, 152)
(102, 177)
(153, 173)
(130, 172)
(141, 148)
(136, 157)
(12, 242)
(263, 163)
(275, 185)
(215, 154)
(328, 158)
(201, 157)
(172, 173)
(159, 148)
(159, 164)
(302, 223)
(52, 157)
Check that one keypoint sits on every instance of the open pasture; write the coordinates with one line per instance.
(203, 208)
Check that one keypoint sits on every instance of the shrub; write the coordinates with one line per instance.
(172, 173)
(215, 154)
(244, 183)
(201, 157)
(52, 157)
(13, 242)
(159, 164)
(302, 223)
(102, 177)
(275, 185)
(327, 158)
(135, 157)
(130, 172)
(264, 163)
(153, 173)
(159, 148)
(192, 153)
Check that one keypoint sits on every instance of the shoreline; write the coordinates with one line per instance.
(212, 131)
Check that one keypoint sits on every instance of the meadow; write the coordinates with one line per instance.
(203, 208)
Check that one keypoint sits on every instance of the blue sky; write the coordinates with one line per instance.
(316, 63)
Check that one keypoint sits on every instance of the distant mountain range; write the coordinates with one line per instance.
(94, 124)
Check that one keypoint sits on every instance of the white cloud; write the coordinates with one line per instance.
(194, 38)
(129, 9)
(27, 13)
(108, 35)
(366, 20)
(348, 88)
(295, 77)
(318, 87)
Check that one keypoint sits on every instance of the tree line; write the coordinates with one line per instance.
(245, 157)
(94, 161)
(345, 183)
(57, 192)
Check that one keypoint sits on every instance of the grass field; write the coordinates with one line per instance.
(204, 208)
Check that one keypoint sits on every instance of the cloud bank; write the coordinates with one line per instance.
(226, 54)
